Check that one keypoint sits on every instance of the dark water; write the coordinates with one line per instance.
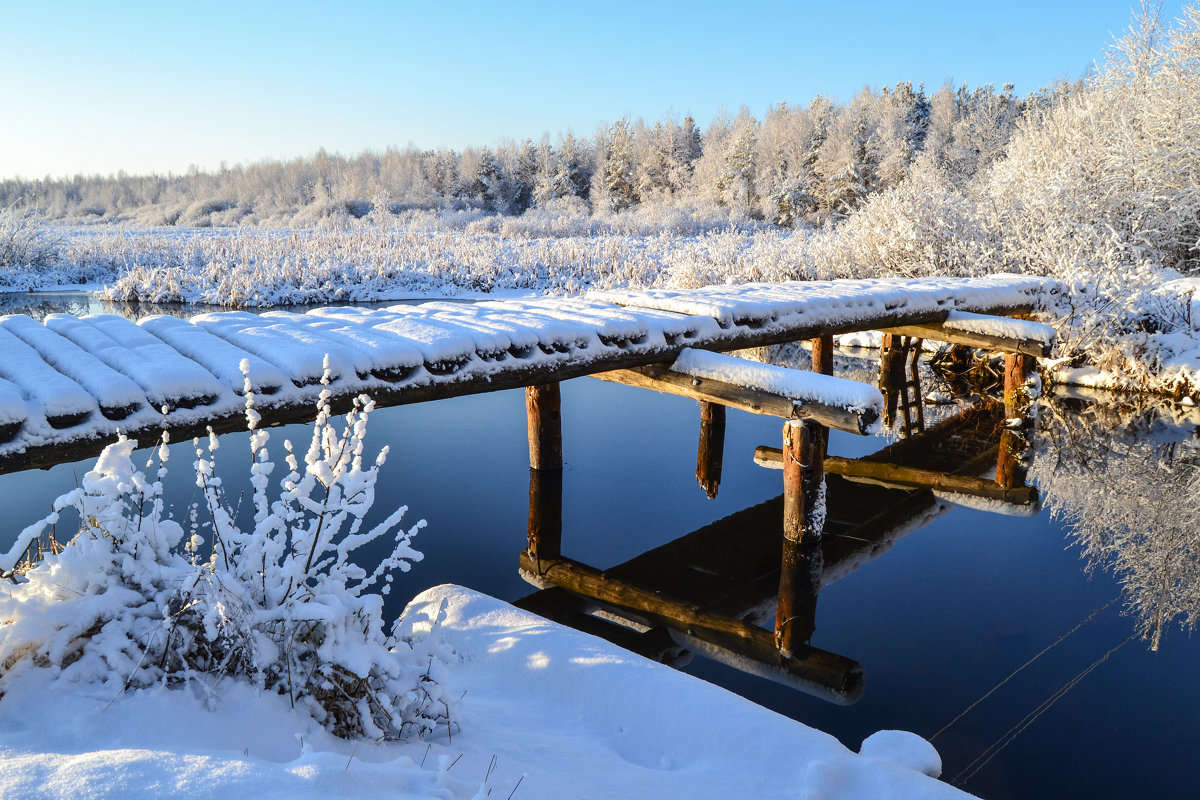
(937, 621)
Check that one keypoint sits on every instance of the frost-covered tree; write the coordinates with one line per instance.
(849, 158)
(736, 183)
(618, 172)
(904, 123)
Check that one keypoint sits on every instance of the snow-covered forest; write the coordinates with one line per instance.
(806, 164)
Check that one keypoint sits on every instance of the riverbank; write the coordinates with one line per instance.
(547, 712)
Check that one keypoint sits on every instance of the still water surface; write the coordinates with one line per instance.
(937, 621)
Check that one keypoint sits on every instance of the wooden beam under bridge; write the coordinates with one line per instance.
(661, 378)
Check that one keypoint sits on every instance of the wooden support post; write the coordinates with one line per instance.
(822, 354)
(803, 519)
(891, 375)
(803, 479)
(710, 454)
(542, 406)
(914, 374)
(822, 363)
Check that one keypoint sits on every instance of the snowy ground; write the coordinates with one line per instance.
(547, 711)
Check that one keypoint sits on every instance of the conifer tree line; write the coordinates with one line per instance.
(798, 164)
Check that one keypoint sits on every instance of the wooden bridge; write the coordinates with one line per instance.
(68, 385)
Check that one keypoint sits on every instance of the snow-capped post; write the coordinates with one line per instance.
(803, 480)
(542, 406)
(711, 452)
(803, 521)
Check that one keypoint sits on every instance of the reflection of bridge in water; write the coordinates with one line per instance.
(713, 590)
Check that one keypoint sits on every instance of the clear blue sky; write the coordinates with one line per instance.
(97, 87)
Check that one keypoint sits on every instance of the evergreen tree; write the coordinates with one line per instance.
(619, 167)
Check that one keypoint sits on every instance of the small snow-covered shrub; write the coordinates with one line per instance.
(25, 242)
(137, 597)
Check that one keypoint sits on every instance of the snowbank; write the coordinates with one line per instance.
(562, 713)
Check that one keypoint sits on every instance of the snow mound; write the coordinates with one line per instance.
(903, 748)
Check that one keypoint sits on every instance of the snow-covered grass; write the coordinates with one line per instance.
(547, 712)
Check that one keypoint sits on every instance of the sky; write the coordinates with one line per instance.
(96, 88)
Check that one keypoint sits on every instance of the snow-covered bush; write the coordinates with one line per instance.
(25, 241)
(138, 597)
(921, 227)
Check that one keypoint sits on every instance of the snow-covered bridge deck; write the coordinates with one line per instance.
(67, 385)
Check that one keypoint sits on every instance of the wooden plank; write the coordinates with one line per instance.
(661, 379)
(899, 475)
(999, 344)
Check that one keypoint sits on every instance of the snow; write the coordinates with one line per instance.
(381, 352)
(299, 353)
(58, 395)
(838, 303)
(166, 376)
(216, 355)
(1006, 327)
(904, 748)
(110, 388)
(548, 710)
(803, 387)
(989, 505)
(12, 404)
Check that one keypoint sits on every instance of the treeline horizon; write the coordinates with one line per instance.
(798, 164)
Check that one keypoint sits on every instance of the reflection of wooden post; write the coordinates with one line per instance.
(712, 447)
(1010, 471)
(914, 374)
(799, 582)
(803, 519)
(545, 514)
(891, 374)
(542, 404)
(1017, 369)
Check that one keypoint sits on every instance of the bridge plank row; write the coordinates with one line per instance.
(68, 384)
